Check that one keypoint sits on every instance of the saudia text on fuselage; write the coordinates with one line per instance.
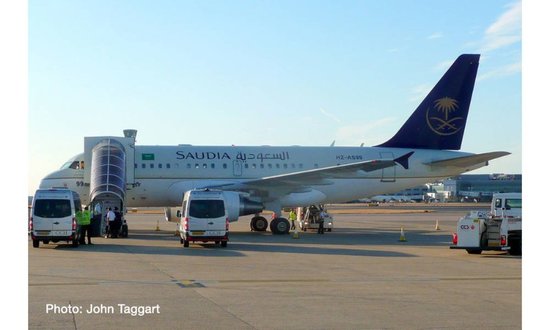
(242, 156)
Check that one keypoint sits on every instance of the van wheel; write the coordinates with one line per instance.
(224, 243)
(185, 243)
(35, 243)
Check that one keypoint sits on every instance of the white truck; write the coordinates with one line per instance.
(499, 230)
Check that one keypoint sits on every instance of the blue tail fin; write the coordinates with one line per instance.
(439, 121)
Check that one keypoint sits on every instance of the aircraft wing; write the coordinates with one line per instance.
(286, 183)
(470, 160)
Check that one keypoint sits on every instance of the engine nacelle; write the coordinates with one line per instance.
(172, 214)
(238, 205)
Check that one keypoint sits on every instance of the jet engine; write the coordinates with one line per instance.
(238, 205)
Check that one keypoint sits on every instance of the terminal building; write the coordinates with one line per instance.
(481, 187)
(462, 188)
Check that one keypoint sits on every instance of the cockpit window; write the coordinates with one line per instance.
(75, 165)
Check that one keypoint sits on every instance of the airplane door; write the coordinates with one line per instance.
(388, 173)
(237, 168)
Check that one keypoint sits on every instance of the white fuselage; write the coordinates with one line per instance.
(163, 173)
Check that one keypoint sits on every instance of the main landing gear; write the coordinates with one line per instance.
(278, 226)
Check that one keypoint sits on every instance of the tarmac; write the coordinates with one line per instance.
(359, 276)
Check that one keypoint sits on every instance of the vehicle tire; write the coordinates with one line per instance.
(330, 229)
(185, 243)
(224, 243)
(35, 243)
(279, 226)
(515, 246)
(258, 224)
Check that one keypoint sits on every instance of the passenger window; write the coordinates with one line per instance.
(152, 165)
(212, 166)
(224, 165)
(167, 165)
(142, 165)
(160, 165)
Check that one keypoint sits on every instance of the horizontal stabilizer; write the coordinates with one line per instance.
(466, 161)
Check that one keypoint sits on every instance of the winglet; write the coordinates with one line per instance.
(404, 160)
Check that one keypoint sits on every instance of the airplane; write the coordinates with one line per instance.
(257, 178)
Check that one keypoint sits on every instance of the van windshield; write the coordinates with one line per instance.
(52, 208)
(513, 204)
(206, 208)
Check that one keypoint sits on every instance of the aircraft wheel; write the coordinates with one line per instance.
(258, 224)
(279, 226)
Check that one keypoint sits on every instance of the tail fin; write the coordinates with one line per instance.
(439, 121)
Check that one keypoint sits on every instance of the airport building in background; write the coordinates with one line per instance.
(462, 188)
(481, 186)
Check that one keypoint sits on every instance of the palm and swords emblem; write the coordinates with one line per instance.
(439, 117)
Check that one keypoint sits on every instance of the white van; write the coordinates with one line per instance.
(53, 216)
(203, 217)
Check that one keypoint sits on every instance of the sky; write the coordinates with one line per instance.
(263, 72)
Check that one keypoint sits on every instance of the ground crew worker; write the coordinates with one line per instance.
(292, 217)
(111, 218)
(322, 216)
(84, 221)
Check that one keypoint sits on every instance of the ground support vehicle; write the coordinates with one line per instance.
(499, 230)
(53, 217)
(203, 218)
(312, 216)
